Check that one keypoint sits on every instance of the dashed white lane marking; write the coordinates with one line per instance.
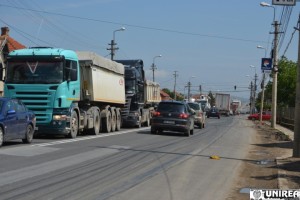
(86, 138)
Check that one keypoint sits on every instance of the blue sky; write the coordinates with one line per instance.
(213, 41)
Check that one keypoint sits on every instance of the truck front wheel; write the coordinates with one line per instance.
(73, 125)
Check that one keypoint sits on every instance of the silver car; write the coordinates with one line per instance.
(199, 116)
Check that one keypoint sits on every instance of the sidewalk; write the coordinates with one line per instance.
(288, 167)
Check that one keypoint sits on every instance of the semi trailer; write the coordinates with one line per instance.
(70, 92)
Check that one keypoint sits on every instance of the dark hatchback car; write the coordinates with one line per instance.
(213, 112)
(173, 116)
(16, 121)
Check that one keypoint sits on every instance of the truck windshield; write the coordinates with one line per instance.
(40, 72)
(130, 86)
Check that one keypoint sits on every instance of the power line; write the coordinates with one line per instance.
(135, 26)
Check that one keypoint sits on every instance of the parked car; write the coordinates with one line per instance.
(199, 116)
(16, 121)
(173, 116)
(213, 112)
(265, 116)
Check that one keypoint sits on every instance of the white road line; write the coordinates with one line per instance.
(86, 138)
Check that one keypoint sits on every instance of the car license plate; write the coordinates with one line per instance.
(169, 122)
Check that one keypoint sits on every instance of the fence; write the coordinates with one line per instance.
(285, 117)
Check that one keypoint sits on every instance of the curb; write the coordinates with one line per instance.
(281, 174)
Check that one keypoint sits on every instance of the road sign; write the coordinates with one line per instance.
(266, 64)
(284, 2)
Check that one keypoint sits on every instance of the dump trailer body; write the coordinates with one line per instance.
(102, 79)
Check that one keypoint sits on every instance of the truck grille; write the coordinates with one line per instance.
(40, 102)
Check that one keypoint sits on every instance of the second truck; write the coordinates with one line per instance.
(141, 95)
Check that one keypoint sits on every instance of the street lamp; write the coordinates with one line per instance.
(189, 87)
(261, 47)
(153, 67)
(112, 44)
(275, 66)
(264, 4)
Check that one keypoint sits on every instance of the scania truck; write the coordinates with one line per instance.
(70, 92)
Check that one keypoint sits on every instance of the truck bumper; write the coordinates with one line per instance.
(54, 128)
(130, 121)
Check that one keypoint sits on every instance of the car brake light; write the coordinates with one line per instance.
(183, 116)
(156, 114)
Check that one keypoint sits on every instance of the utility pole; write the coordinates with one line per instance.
(175, 76)
(189, 90)
(275, 71)
(262, 97)
(254, 90)
(251, 97)
(200, 90)
(296, 148)
(112, 49)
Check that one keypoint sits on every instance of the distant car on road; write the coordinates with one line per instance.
(265, 116)
(199, 116)
(213, 112)
(173, 116)
(16, 121)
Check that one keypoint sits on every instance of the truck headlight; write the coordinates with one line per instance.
(59, 117)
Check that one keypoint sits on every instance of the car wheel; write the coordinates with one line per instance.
(1, 137)
(201, 125)
(187, 133)
(153, 131)
(28, 134)
(192, 132)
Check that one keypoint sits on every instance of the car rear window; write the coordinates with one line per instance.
(170, 107)
(194, 106)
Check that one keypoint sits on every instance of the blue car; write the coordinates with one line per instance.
(16, 121)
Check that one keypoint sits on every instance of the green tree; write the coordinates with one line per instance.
(286, 85)
(179, 96)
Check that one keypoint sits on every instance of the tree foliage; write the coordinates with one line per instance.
(286, 85)
(179, 96)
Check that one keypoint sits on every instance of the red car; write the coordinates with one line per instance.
(255, 116)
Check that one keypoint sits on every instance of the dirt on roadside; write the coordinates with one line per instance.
(264, 166)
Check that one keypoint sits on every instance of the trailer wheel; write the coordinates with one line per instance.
(113, 121)
(118, 122)
(107, 122)
(96, 129)
(73, 125)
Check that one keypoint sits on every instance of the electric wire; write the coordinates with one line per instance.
(135, 26)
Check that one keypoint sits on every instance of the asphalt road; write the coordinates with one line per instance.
(130, 164)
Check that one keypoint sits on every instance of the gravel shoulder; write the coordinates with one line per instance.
(268, 165)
